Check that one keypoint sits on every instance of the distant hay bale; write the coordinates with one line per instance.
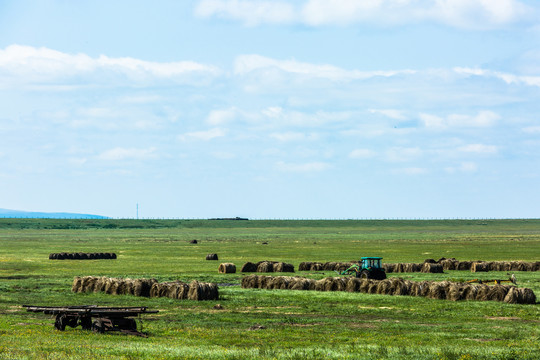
(456, 292)
(77, 280)
(141, 287)
(88, 283)
(202, 291)
(412, 267)
(389, 267)
(464, 265)
(353, 284)
(265, 267)
(227, 268)
(316, 266)
(430, 261)
(400, 286)
(527, 296)
(399, 268)
(437, 291)
(364, 285)
(479, 267)
(283, 267)
(249, 267)
(449, 264)
(305, 266)
(212, 257)
(497, 292)
(329, 266)
(432, 268)
(193, 242)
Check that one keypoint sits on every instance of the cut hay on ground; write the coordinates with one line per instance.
(146, 287)
(443, 290)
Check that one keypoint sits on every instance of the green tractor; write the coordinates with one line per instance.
(369, 268)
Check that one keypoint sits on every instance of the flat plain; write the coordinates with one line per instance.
(265, 324)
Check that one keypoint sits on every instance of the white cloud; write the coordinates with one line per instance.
(403, 154)
(410, 171)
(293, 136)
(249, 12)
(478, 149)
(361, 154)
(119, 153)
(203, 135)
(390, 113)
(245, 64)
(26, 64)
(483, 118)
(304, 167)
(473, 14)
(465, 167)
(532, 129)
(220, 117)
(509, 79)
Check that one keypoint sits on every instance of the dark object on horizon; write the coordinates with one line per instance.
(81, 256)
(211, 257)
(234, 218)
(193, 242)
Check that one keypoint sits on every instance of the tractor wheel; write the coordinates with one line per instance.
(364, 274)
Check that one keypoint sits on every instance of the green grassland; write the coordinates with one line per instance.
(253, 323)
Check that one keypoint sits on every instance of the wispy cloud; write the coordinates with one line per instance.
(246, 64)
(478, 149)
(470, 14)
(361, 154)
(483, 118)
(302, 167)
(27, 64)
(120, 153)
(204, 135)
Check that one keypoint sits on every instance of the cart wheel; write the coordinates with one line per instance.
(97, 326)
(132, 324)
(86, 322)
(60, 322)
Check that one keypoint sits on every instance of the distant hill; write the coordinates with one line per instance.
(6, 213)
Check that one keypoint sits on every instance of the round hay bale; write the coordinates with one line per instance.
(456, 292)
(481, 292)
(470, 292)
(437, 291)
(480, 267)
(399, 268)
(431, 261)
(372, 286)
(305, 266)
(329, 266)
(363, 286)
(449, 264)
(464, 265)
(202, 291)
(316, 266)
(400, 286)
(432, 268)
(389, 268)
(154, 290)
(193, 242)
(212, 257)
(498, 292)
(227, 268)
(513, 296)
(385, 287)
(248, 282)
(100, 284)
(283, 267)
(88, 283)
(249, 267)
(265, 267)
(526, 296)
(77, 281)
(353, 284)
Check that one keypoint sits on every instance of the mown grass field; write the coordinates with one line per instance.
(287, 324)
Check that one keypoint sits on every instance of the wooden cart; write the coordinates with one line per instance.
(95, 318)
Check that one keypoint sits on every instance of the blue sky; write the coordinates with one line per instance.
(271, 109)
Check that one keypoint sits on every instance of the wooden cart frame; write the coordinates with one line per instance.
(95, 318)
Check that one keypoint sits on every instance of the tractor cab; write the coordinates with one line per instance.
(371, 262)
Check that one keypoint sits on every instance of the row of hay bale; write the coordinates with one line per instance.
(81, 256)
(444, 290)
(389, 268)
(505, 266)
(429, 266)
(146, 287)
(267, 266)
